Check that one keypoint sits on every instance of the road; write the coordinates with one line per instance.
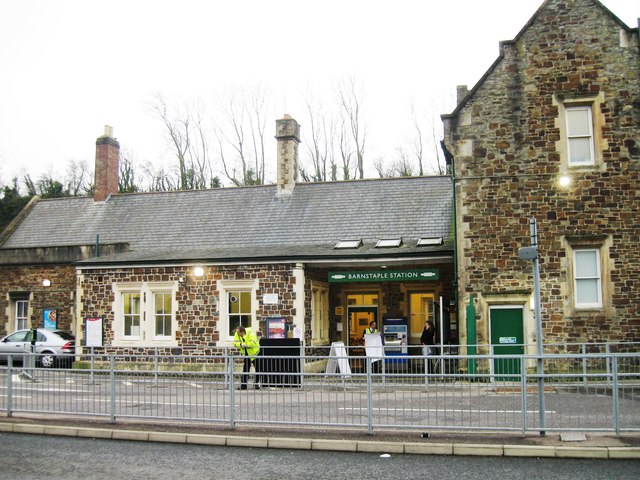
(45, 457)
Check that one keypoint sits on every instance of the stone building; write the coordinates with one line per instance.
(551, 132)
(176, 272)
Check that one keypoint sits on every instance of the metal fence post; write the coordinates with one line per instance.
(616, 400)
(584, 364)
(523, 400)
(112, 376)
(232, 391)
(607, 350)
(9, 385)
(155, 366)
(369, 397)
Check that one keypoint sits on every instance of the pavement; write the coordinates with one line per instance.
(571, 445)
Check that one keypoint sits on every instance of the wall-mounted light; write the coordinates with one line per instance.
(198, 271)
(564, 180)
(46, 282)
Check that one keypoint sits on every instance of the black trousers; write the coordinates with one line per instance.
(246, 369)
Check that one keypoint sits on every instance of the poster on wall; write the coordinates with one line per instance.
(93, 331)
(50, 319)
(276, 327)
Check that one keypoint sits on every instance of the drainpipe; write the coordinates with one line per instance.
(449, 159)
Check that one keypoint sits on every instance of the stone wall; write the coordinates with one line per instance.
(26, 282)
(197, 302)
(506, 138)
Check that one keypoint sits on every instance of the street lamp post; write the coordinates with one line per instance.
(531, 253)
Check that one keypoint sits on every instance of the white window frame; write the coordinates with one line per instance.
(21, 318)
(226, 286)
(584, 135)
(597, 278)
(320, 313)
(147, 333)
(170, 314)
(140, 315)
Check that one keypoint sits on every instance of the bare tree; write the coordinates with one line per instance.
(427, 129)
(400, 167)
(319, 143)
(240, 135)
(188, 138)
(127, 177)
(78, 178)
(350, 99)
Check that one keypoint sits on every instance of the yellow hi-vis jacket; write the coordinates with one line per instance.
(250, 340)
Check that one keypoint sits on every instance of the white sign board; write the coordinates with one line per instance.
(93, 331)
(270, 299)
(373, 346)
(338, 359)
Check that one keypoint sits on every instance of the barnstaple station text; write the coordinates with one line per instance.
(384, 276)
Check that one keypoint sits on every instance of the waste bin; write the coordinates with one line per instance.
(279, 362)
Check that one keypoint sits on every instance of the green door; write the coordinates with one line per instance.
(507, 338)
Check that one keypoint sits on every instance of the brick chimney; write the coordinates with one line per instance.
(288, 136)
(107, 165)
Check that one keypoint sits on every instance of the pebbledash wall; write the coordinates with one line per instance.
(197, 304)
(508, 140)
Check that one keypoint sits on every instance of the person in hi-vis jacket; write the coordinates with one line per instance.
(247, 342)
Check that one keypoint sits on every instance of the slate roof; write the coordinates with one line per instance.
(250, 222)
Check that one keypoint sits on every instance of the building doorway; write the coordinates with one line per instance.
(421, 309)
(507, 338)
(359, 319)
(362, 309)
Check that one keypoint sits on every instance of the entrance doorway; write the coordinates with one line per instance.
(421, 309)
(359, 319)
(507, 338)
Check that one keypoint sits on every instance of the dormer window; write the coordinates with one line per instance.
(389, 243)
(429, 241)
(345, 244)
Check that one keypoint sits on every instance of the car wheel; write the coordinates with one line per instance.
(47, 360)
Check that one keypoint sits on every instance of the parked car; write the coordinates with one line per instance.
(53, 347)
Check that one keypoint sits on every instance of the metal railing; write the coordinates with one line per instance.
(586, 392)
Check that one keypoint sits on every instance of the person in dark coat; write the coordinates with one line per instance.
(427, 339)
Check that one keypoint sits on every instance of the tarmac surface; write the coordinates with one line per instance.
(566, 445)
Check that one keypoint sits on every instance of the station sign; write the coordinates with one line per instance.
(384, 276)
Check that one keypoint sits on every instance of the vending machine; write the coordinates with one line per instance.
(395, 334)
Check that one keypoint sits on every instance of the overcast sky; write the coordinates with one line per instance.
(68, 67)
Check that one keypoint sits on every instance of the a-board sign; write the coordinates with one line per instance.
(373, 346)
(338, 359)
(93, 331)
